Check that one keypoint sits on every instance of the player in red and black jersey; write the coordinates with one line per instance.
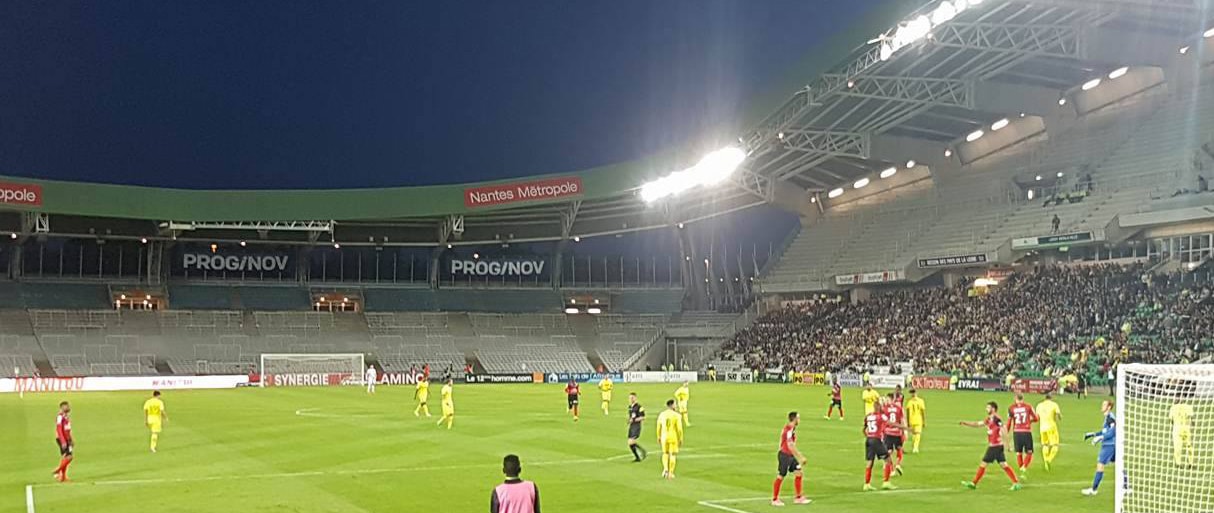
(573, 392)
(63, 438)
(898, 395)
(789, 459)
(895, 422)
(836, 399)
(1021, 417)
(994, 446)
(874, 447)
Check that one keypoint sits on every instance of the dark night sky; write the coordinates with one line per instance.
(303, 94)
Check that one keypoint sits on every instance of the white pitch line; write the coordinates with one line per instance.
(29, 498)
(717, 503)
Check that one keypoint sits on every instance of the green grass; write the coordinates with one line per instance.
(249, 450)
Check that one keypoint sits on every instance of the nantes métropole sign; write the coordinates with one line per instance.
(233, 263)
(534, 190)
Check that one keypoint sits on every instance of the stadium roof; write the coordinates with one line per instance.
(857, 104)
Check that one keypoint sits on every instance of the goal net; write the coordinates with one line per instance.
(312, 370)
(1165, 439)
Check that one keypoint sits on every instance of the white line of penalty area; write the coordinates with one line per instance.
(720, 504)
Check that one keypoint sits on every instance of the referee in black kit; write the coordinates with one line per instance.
(636, 416)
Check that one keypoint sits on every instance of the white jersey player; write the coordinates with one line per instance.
(371, 377)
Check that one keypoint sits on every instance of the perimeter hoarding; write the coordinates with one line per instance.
(110, 384)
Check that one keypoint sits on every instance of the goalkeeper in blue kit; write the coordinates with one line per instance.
(1107, 439)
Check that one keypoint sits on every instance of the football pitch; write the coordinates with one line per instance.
(340, 450)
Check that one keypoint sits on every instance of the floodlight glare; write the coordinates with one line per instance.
(889, 172)
(594, 311)
(835, 193)
(944, 12)
(910, 164)
(571, 311)
(1030, 194)
(948, 152)
(1184, 50)
(1090, 84)
(1118, 73)
(974, 136)
(1002, 123)
(1062, 101)
(1038, 178)
(711, 169)
(1060, 173)
(860, 183)
(1209, 33)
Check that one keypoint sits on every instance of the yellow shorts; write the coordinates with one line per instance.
(1050, 437)
(448, 409)
(154, 426)
(682, 406)
(670, 448)
(607, 397)
(1182, 437)
(421, 398)
(916, 428)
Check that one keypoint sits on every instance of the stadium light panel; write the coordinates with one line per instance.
(680, 226)
(835, 193)
(910, 164)
(943, 13)
(889, 172)
(1090, 84)
(476, 256)
(860, 183)
(999, 125)
(143, 240)
(1060, 173)
(1184, 50)
(1209, 33)
(780, 136)
(1118, 73)
(948, 152)
(577, 239)
(243, 244)
(336, 246)
(594, 311)
(974, 136)
(448, 246)
(1062, 101)
(1030, 194)
(571, 311)
(713, 168)
(1038, 178)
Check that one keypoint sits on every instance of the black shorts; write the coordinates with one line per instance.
(572, 401)
(994, 454)
(893, 443)
(787, 463)
(634, 430)
(1023, 442)
(64, 449)
(874, 449)
(837, 402)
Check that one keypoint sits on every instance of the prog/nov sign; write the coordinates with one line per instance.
(497, 267)
(234, 263)
(535, 190)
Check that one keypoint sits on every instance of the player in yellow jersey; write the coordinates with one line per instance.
(448, 404)
(916, 419)
(1048, 414)
(155, 416)
(605, 386)
(870, 398)
(1182, 433)
(421, 394)
(681, 396)
(670, 438)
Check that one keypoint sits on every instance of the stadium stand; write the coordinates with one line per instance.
(1047, 320)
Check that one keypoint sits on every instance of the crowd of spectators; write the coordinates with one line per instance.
(1046, 320)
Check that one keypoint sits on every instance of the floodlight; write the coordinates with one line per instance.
(476, 256)
(1209, 33)
(594, 311)
(1184, 50)
(1118, 73)
(835, 193)
(889, 172)
(974, 136)
(1060, 173)
(1090, 84)
(885, 52)
(711, 169)
(1062, 101)
(943, 13)
(910, 164)
(948, 152)
(1038, 178)
(1030, 194)
(243, 244)
(571, 310)
(780, 136)
(998, 125)
(336, 246)
(577, 239)
(860, 183)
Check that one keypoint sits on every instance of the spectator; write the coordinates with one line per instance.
(514, 495)
(1055, 222)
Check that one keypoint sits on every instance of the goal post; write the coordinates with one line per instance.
(1164, 464)
(312, 369)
